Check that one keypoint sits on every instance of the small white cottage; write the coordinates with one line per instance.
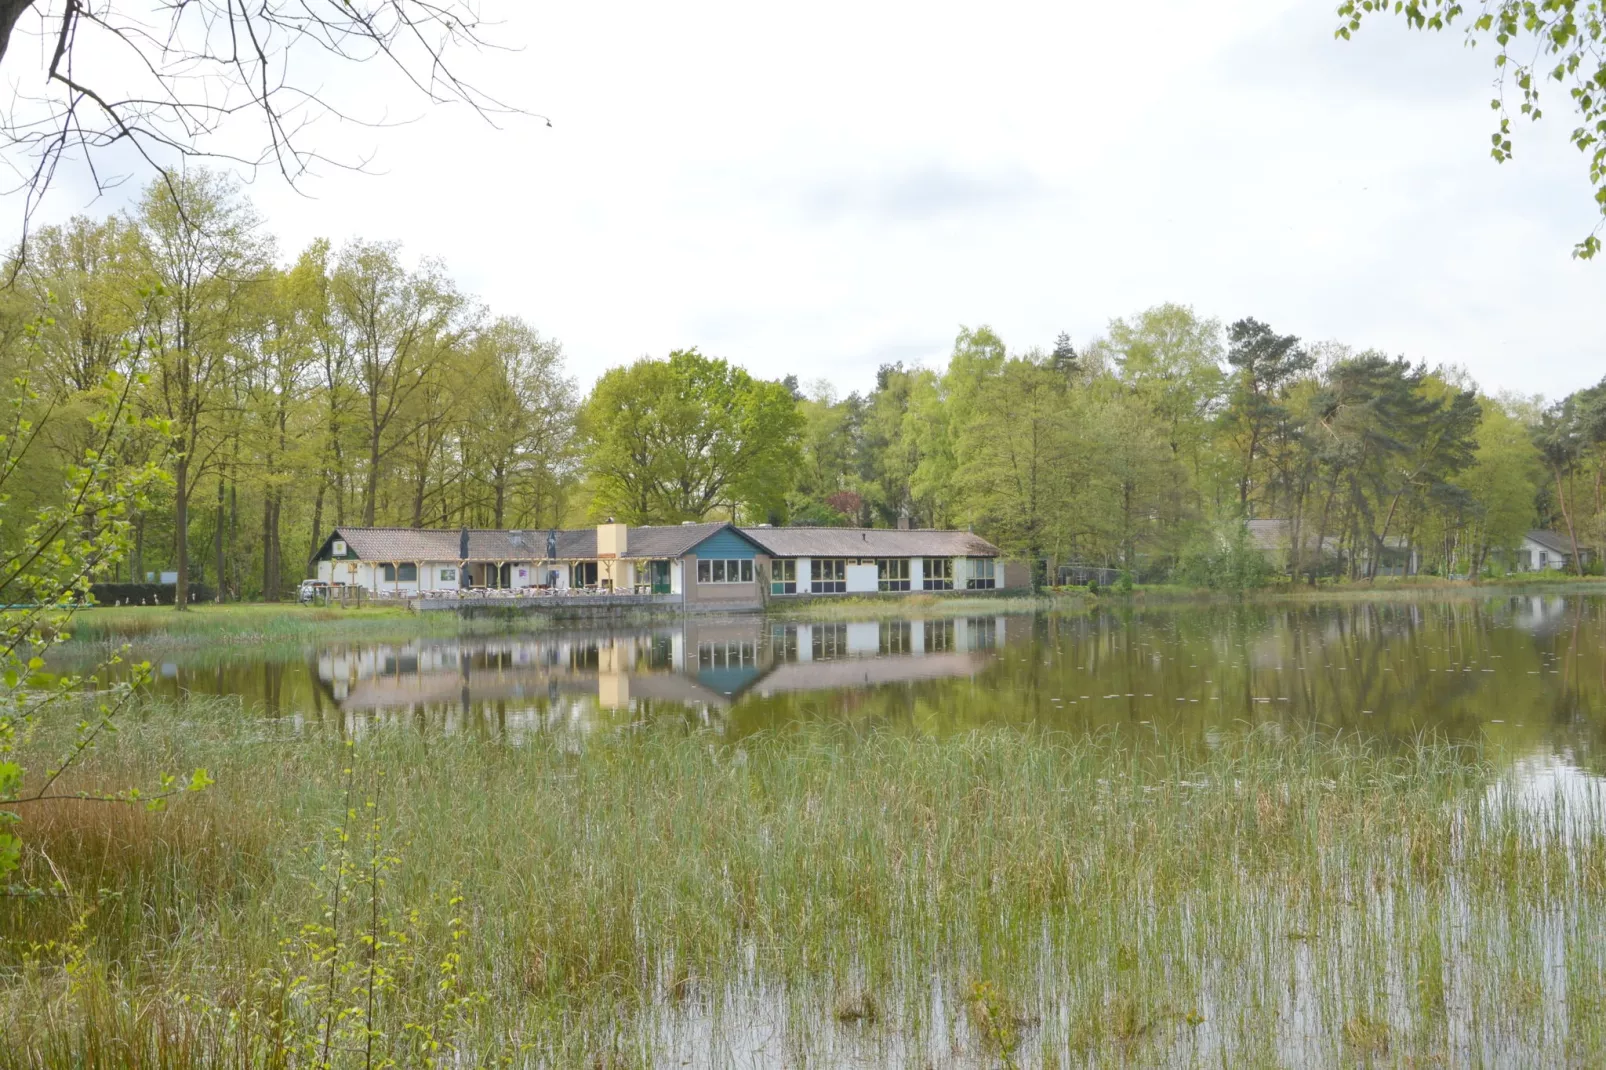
(1548, 551)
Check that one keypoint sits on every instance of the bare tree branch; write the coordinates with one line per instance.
(118, 80)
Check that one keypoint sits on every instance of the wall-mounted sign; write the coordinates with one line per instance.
(338, 548)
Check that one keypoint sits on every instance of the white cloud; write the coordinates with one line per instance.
(816, 191)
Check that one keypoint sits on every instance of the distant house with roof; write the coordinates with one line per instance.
(1274, 537)
(1548, 551)
(707, 566)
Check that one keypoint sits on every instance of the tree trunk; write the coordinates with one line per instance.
(373, 467)
(271, 580)
(136, 563)
(1377, 554)
(501, 494)
(181, 532)
(220, 569)
(1567, 514)
(317, 519)
(232, 547)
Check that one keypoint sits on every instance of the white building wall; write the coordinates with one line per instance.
(917, 573)
(805, 578)
(861, 578)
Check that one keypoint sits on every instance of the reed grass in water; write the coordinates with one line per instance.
(808, 897)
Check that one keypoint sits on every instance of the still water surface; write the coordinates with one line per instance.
(1526, 672)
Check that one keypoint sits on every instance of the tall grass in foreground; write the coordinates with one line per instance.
(812, 896)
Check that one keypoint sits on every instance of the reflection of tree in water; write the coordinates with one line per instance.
(1521, 671)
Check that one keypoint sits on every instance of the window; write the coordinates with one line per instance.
(1544, 559)
(723, 571)
(783, 576)
(892, 573)
(408, 573)
(828, 575)
(583, 574)
(387, 573)
(938, 574)
(448, 575)
(981, 574)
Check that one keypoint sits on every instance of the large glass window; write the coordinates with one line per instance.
(719, 570)
(828, 575)
(583, 574)
(937, 574)
(783, 576)
(387, 573)
(407, 573)
(892, 573)
(982, 575)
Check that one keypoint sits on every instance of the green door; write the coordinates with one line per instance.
(659, 572)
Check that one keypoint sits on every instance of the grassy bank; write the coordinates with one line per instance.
(807, 897)
(264, 623)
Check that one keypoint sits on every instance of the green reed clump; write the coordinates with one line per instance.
(624, 897)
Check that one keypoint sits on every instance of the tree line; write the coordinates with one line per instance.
(284, 396)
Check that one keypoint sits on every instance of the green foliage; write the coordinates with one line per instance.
(352, 981)
(1536, 42)
(1224, 559)
(817, 515)
(46, 572)
(676, 439)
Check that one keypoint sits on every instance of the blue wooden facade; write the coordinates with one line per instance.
(727, 543)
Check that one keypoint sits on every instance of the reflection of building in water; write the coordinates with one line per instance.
(699, 663)
(1539, 614)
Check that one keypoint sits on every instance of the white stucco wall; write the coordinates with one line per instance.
(861, 579)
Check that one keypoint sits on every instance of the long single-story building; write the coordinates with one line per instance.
(712, 566)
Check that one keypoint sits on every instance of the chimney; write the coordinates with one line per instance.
(612, 539)
(903, 521)
(462, 545)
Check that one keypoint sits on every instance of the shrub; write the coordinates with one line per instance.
(1224, 560)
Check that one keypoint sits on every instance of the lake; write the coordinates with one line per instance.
(1296, 833)
(1526, 671)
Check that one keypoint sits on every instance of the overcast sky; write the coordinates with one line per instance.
(824, 189)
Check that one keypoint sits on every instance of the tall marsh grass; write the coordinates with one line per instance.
(811, 896)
